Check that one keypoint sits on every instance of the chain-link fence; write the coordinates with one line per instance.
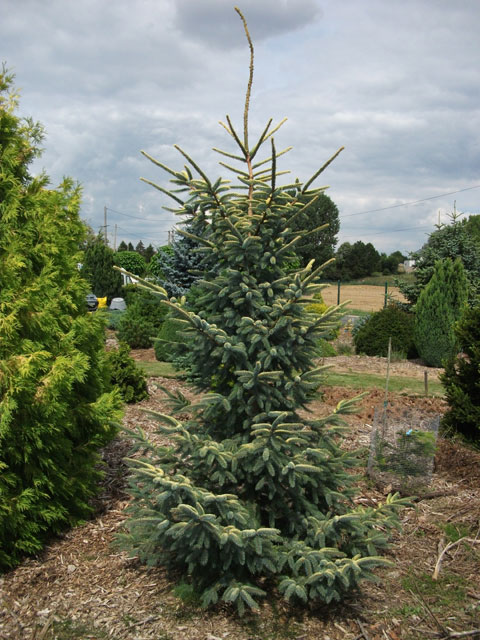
(402, 447)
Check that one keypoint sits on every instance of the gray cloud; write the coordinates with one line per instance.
(216, 24)
(397, 83)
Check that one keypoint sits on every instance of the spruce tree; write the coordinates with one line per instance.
(253, 494)
(439, 306)
(182, 267)
(56, 410)
(452, 241)
(461, 379)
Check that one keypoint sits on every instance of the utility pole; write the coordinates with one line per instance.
(105, 223)
(115, 239)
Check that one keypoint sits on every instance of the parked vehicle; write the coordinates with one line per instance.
(92, 302)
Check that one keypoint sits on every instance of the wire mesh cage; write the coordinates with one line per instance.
(402, 447)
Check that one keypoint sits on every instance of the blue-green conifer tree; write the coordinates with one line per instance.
(253, 492)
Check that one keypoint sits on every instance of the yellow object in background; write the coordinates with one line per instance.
(102, 302)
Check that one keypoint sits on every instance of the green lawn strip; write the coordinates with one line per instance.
(397, 384)
(364, 381)
(157, 369)
(357, 312)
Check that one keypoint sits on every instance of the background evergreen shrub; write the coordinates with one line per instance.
(326, 349)
(125, 375)
(56, 407)
(143, 318)
(134, 329)
(170, 342)
(461, 379)
(439, 306)
(149, 305)
(179, 268)
(113, 318)
(97, 268)
(453, 241)
(131, 261)
(371, 335)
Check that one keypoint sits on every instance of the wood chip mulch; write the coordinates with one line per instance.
(81, 586)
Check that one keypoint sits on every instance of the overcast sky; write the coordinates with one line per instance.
(396, 82)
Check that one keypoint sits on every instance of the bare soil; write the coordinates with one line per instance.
(81, 586)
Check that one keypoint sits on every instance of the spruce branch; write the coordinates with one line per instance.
(275, 129)
(192, 236)
(229, 155)
(260, 140)
(322, 168)
(280, 153)
(233, 133)
(194, 164)
(166, 191)
(143, 284)
(305, 234)
(235, 170)
(274, 166)
(160, 164)
(302, 210)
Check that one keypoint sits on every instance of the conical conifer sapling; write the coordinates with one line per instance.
(251, 493)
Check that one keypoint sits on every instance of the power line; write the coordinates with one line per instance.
(406, 204)
(142, 237)
(161, 233)
(127, 215)
(386, 232)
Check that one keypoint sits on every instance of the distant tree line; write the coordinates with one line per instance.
(146, 252)
(360, 259)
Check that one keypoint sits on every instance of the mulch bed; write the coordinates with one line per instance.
(82, 586)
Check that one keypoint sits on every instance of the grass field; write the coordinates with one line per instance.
(362, 381)
(361, 296)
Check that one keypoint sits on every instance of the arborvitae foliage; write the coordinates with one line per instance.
(448, 241)
(461, 379)
(98, 263)
(126, 376)
(131, 261)
(250, 489)
(55, 411)
(439, 306)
